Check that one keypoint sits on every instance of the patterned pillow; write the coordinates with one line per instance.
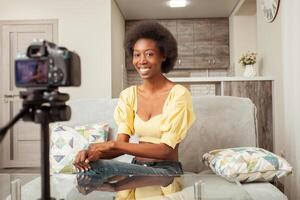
(65, 142)
(247, 164)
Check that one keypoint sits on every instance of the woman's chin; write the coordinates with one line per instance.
(145, 76)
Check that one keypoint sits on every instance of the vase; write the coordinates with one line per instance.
(249, 71)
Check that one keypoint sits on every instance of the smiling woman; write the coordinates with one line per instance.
(158, 111)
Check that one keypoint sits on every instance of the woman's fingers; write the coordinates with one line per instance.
(79, 161)
(82, 167)
(82, 156)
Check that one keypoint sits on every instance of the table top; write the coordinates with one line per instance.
(71, 186)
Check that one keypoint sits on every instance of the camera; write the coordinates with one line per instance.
(47, 65)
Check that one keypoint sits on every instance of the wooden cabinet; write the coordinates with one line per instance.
(202, 43)
(220, 44)
(185, 41)
(211, 44)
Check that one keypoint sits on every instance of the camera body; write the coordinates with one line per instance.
(47, 66)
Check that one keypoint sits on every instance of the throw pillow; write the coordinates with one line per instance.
(66, 142)
(247, 164)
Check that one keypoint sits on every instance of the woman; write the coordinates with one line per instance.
(158, 111)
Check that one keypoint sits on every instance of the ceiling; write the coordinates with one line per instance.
(158, 9)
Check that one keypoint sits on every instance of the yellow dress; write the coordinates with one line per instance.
(170, 127)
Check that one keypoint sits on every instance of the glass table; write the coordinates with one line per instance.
(73, 187)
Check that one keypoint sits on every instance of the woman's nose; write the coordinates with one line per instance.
(143, 59)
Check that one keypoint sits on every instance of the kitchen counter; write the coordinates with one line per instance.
(218, 79)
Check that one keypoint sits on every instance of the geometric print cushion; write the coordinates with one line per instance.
(66, 142)
(247, 164)
(94, 133)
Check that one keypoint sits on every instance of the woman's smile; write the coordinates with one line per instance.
(147, 58)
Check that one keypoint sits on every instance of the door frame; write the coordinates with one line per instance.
(5, 144)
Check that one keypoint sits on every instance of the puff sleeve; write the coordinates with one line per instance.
(124, 112)
(177, 117)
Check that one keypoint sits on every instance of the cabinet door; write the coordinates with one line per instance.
(185, 40)
(202, 44)
(220, 43)
(171, 25)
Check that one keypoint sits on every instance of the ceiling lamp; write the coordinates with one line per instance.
(177, 3)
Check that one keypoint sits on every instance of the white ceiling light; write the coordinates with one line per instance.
(177, 3)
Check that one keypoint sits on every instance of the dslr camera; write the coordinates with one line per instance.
(47, 66)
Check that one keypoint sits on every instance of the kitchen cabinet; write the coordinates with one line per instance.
(202, 43)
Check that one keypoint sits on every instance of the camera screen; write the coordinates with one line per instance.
(31, 72)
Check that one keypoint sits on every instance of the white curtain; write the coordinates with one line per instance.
(291, 87)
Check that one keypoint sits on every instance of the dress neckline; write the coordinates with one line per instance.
(150, 119)
(168, 96)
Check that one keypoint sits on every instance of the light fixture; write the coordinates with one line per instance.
(177, 3)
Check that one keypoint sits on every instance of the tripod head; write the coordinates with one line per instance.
(50, 100)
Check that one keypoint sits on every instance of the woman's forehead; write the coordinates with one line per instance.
(145, 43)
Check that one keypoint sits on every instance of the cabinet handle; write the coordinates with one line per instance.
(209, 61)
(179, 61)
(214, 61)
(11, 95)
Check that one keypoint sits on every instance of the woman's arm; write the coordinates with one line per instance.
(94, 153)
(83, 157)
(112, 149)
(156, 151)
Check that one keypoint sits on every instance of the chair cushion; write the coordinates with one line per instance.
(66, 142)
(265, 191)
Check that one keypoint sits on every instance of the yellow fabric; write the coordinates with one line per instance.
(152, 192)
(170, 127)
(148, 131)
(124, 112)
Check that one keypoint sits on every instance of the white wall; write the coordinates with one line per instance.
(291, 82)
(269, 48)
(117, 52)
(242, 39)
(278, 49)
(84, 26)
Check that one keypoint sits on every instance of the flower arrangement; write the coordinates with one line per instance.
(248, 59)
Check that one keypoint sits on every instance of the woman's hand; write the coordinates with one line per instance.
(79, 161)
(99, 150)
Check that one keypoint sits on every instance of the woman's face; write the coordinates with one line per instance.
(147, 58)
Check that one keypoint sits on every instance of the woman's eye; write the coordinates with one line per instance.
(149, 54)
(136, 55)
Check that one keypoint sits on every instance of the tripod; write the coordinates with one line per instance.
(42, 106)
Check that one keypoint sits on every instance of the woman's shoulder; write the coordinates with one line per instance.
(129, 91)
(179, 90)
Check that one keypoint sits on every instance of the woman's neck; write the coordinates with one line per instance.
(154, 84)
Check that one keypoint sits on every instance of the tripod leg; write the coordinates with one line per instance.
(45, 174)
(12, 122)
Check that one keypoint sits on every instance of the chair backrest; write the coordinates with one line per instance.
(87, 111)
(221, 122)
